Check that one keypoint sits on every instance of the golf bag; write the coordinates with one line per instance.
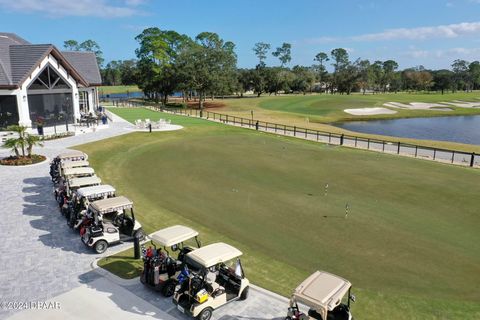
(153, 266)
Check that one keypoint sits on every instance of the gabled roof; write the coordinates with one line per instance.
(24, 58)
(86, 64)
(18, 59)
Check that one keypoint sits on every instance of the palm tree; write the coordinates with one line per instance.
(24, 140)
(12, 144)
(20, 141)
(32, 141)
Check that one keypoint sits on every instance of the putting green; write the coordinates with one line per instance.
(410, 244)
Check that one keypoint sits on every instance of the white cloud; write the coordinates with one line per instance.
(421, 33)
(452, 53)
(55, 8)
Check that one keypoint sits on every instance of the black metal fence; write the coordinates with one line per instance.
(404, 149)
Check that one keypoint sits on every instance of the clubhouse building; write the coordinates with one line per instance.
(38, 82)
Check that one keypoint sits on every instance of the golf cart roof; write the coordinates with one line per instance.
(75, 171)
(214, 254)
(84, 182)
(96, 191)
(73, 154)
(322, 291)
(173, 235)
(75, 164)
(111, 204)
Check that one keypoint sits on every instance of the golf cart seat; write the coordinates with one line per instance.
(108, 227)
(213, 287)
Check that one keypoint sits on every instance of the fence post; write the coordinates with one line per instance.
(472, 160)
(285, 129)
(398, 148)
(416, 151)
(241, 122)
(383, 146)
(275, 128)
(368, 143)
(329, 137)
(434, 153)
(306, 133)
(356, 138)
(341, 139)
(294, 131)
(317, 135)
(256, 125)
(453, 156)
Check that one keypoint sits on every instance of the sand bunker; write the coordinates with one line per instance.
(463, 104)
(369, 111)
(418, 106)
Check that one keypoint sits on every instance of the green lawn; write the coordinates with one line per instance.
(117, 89)
(410, 244)
(320, 111)
(327, 108)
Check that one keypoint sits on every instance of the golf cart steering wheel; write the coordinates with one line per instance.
(118, 221)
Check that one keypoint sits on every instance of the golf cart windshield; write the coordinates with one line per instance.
(174, 235)
(214, 254)
(322, 291)
(96, 192)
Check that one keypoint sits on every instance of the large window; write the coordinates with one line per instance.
(56, 108)
(8, 111)
(48, 79)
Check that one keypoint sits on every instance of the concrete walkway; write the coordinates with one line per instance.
(40, 256)
(42, 260)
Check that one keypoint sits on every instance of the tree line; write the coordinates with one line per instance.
(206, 66)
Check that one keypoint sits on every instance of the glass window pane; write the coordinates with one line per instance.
(8, 111)
(53, 108)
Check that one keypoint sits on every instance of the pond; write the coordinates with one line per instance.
(462, 129)
(122, 96)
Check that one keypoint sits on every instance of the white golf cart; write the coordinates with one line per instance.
(78, 204)
(72, 164)
(160, 269)
(71, 173)
(69, 156)
(220, 280)
(323, 293)
(113, 222)
(64, 192)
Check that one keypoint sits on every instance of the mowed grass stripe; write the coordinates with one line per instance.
(411, 230)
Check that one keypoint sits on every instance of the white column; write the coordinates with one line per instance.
(23, 110)
(76, 103)
(91, 105)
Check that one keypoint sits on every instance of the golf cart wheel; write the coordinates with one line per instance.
(101, 246)
(169, 288)
(206, 314)
(244, 294)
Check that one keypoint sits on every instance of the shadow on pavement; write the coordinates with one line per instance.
(40, 202)
(122, 298)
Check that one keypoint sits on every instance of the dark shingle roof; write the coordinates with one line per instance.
(18, 58)
(86, 64)
(24, 58)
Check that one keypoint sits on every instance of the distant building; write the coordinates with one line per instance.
(38, 81)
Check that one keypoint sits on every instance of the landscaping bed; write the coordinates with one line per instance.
(22, 161)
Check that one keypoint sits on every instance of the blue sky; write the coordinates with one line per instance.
(422, 32)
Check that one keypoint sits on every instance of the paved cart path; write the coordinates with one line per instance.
(43, 260)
